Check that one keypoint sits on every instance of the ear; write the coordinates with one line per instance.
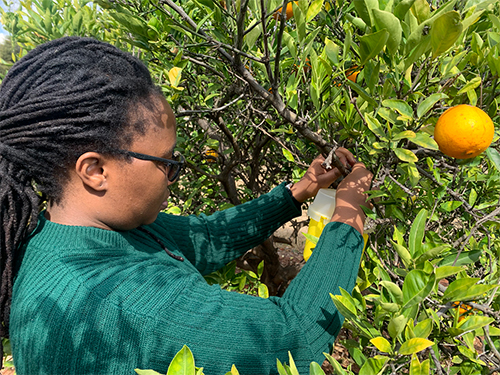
(91, 169)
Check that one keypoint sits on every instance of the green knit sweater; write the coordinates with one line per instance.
(92, 301)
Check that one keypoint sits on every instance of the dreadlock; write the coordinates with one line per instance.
(64, 98)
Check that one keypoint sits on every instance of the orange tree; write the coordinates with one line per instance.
(258, 95)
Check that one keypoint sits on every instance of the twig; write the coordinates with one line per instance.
(208, 110)
(479, 222)
(332, 158)
(486, 330)
(439, 369)
(275, 82)
(404, 188)
(448, 190)
(264, 37)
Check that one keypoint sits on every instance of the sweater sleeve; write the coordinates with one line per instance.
(210, 242)
(224, 328)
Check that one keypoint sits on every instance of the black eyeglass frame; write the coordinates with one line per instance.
(168, 162)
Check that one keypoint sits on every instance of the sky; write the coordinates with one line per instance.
(14, 4)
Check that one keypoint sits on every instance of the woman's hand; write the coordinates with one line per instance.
(318, 177)
(351, 196)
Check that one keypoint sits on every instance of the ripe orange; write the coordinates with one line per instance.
(211, 155)
(352, 73)
(463, 309)
(463, 131)
(289, 11)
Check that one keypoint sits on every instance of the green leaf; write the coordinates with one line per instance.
(465, 290)
(315, 369)
(407, 134)
(394, 290)
(311, 238)
(134, 24)
(417, 233)
(346, 308)
(422, 46)
(386, 20)
(405, 155)
(361, 91)
(373, 365)
(370, 45)
(445, 271)
(426, 104)
(290, 44)
(415, 366)
(472, 19)
(421, 10)
(293, 368)
(347, 43)
(450, 205)
(432, 253)
(260, 269)
(146, 372)
(471, 85)
(389, 307)
(332, 51)
(465, 257)
(314, 9)
(252, 36)
(382, 344)
(234, 371)
(424, 328)
(400, 106)
(414, 345)
(474, 322)
(263, 291)
(335, 364)
(417, 285)
(444, 32)
(300, 21)
(425, 140)
(397, 325)
(281, 368)
(495, 21)
(494, 331)
(413, 174)
(183, 363)
(403, 253)
(494, 157)
(375, 127)
(174, 76)
(364, 10)
(402, 8)
(287, 154)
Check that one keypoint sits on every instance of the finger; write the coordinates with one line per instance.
(346, 156)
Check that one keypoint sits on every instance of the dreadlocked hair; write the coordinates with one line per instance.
(64, 98)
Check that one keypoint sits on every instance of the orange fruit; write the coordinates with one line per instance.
(289, 11)
(463, 131)
(352, 73)
(211, 155)
(463, 309)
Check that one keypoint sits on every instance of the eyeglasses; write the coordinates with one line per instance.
(173, 168)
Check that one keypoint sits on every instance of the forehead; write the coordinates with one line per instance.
(158, 121)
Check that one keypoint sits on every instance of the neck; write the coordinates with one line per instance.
(71, 214)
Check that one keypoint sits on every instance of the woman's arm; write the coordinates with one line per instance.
(211, 241)
(351, 197)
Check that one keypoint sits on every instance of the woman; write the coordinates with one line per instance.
(100, 282)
